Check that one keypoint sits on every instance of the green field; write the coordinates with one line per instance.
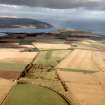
(51, 57)
(48, 79)
(28, 94)
(11, 67)
(25, 42)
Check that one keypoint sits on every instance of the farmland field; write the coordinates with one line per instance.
(75, 70)
(5, 87)
(91, 45)
(13, 62)
(11, 67)
(11, 70)
(17, 57)
(85, 89)
(45, 78)
(51, 57)
(13, 75)
(99, 59)
(33, 95)
(82, 73)
(47, 46)
(81, 59)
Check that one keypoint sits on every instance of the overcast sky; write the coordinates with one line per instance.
(54, 9)
(89, 4)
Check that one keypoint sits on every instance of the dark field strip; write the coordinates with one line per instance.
(55, 49)
(11, 70)
(10, 74)
(77, 70)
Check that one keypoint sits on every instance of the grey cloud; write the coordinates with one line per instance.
(89, 4)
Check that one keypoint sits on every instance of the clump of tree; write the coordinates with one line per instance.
(64, 35)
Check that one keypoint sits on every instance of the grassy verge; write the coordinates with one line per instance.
(56, 49)
(30, 50)
(33, 95)
(77, 70)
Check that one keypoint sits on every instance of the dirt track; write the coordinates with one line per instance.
(5, 87)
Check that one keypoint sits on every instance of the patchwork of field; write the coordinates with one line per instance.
(80, 69)
(5, 87)
(33, 95)
(83, 88)
(91, 45)
(83, 60)
(82, 73)
(13, 62)
(47, 46)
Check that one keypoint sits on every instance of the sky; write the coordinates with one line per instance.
(62, 4)
(55, 10)
(91, 9)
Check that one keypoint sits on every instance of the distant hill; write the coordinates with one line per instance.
(7, 22)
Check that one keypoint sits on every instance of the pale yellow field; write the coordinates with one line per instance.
(77, 77)
(83, 60)
(51, 46)
(99, 59)
(101, 78)
(10, 49)
(5, 87)
(85, 89)
(17, 57)
(14, 55)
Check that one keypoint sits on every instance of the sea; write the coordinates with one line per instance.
(84, 25)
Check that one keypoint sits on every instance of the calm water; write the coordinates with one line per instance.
(85, 25)
(26, 30)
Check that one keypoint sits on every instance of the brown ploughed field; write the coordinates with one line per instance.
(13, 75)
